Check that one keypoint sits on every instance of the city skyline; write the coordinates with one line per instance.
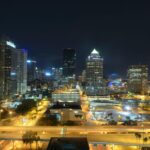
(82, 66)
(74, 75)
(119, 30)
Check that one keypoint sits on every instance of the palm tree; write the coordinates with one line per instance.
(29, 137)
(25, 138)
(36, 138)
(145, 139)
(138, 136)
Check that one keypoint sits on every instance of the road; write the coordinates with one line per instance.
(119, 140)
(88, 129)
(26, 120)
(94, 133)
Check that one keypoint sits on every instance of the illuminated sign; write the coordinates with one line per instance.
(28, 61)
(13, 73)
(31, 61)
(47, 74)
(9, 43)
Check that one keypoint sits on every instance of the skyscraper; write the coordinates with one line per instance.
(12, 69)
(137, 78)
(22, 71)
(69, 62)
(57, 73)
(94, 68)
(31, 70)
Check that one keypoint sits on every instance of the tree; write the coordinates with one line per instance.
(37, 138)
(29, 137)
(26, 106)
(138, 136)
(112, 122)
(145, 139)
(109, 117)
(52, 121)
(69, 123)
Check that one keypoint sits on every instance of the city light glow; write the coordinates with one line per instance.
(127, 108)
(47, 74)
(28, 61)
(13, 73)
(95, 51)
(9, 43)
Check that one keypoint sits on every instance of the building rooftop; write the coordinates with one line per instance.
(68, 143)
(65, 91)
(94, 51)
(65, 105)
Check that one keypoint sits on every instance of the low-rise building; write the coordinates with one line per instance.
(68, 95)
(68, 112)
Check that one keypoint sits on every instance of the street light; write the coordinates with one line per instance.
(10, 112)
(1, 110)
(128, 108)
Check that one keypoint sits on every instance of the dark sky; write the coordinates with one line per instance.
(120, 30)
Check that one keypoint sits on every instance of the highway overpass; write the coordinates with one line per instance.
(95, 134)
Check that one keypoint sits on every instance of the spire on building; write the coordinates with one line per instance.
(94, 51)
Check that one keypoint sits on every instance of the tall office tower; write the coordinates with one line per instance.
(31, 71)
(138, 78)
(39, 73)
(69, 62)
(22, 71)
(10, 69)
(83, 75)
(94, 68)
(57, 73)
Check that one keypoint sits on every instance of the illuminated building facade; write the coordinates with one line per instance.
(94, 68)
(22, 71)
(83, 76)
(57, 73)
(138, 78)
(12, 69)
(71, 95)
(69, 62)
(116, 84)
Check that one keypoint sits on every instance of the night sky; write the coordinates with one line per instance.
(120, 30)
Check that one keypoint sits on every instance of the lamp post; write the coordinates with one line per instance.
(1, 110)
(10, 112)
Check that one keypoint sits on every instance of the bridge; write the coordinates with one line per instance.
(122, 135)
(77, 129)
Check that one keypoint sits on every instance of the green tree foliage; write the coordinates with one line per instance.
(112, 122)
(137, 135)
(26, 106)
(29, 137)
(51, 121)
(145, 139)
(69, 123)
